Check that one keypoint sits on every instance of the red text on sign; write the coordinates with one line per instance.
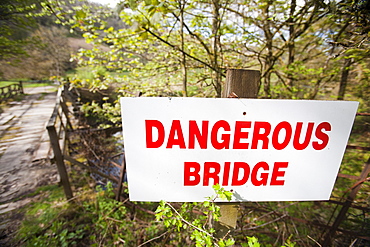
(238, 135)
(262, 174)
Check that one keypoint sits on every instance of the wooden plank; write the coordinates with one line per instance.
(115, 164)
(363, 114)
(21, 87)
(65, 111)
(121, 178)
(54, 115)
(341, 175)
(54, 140)
(57, 133)
(358, 148)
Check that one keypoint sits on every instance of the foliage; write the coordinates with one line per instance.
(87, 221)
(182, 48)
(165, 46)
(32, 45)
(106, 115)
(221, 193)
(94, 218)
(99, 220)
(14, 24)
(48, 55)
(176, 46)
(200, 227)
(46, 224)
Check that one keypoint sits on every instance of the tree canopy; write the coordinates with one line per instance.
(15, 22)
(302, 48)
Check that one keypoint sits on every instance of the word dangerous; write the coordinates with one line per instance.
(237, 135)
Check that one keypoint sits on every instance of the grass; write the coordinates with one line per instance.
(42, 84)
(91, 218)
(6, 83)
(28, 84)
(25, 84)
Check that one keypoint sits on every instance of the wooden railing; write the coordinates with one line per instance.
(10, 91)
(58, 128)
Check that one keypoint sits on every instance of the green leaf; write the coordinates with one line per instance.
(80, 14)
(253, 242)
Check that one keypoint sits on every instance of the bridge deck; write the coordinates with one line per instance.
(24, 146)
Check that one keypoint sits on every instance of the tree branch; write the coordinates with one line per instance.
(188, 223)
(178, 49)
(196, 37)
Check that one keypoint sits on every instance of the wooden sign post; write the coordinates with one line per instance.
(243, 83)
(239, 84)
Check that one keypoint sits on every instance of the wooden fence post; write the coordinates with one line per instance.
(21, 87)
(59, 160)
(244, 83)
(239, 84)
(121, 178)
(54, 141)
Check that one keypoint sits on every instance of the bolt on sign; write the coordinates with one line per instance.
(261, 150)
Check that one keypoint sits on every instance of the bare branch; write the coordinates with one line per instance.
(150, 240)
(178, 49)
(188, 223)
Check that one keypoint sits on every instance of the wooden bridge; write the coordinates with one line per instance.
(10, 91)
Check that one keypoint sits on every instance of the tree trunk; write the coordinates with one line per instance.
(183, 60)
(269, 63)
(344, 78)
(291, 44)
(216, 23)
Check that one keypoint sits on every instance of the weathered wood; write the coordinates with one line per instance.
(21, 87)
(65, 111)
(363, 114)
(57, 130)
(59, 160)
(358, 148)
(121, 178)
(244, 83)
(239, 84)
(61, 126)
(341, 175)
(54, 115)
